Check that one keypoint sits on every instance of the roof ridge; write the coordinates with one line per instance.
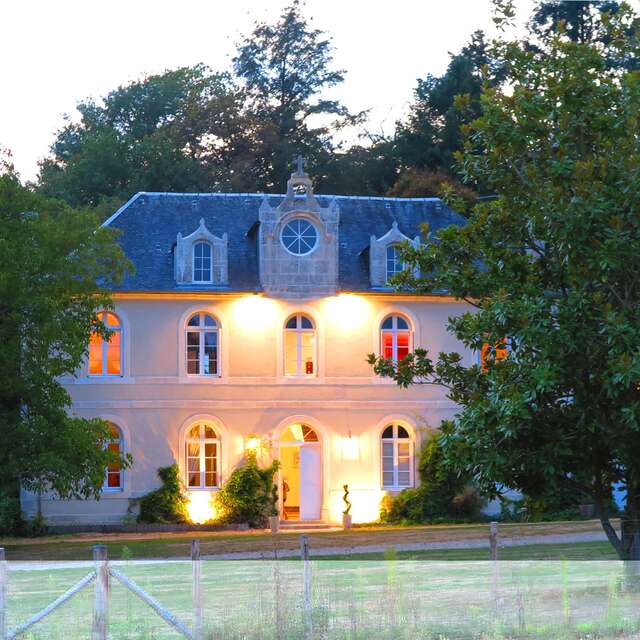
(274, 195)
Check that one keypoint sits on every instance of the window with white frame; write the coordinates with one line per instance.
(113, 478)
(397, 457)
(202, 457)
(105, 355)
(394, 264)
(299, 346)
(395, 338)
(202, 262)
(203, 354)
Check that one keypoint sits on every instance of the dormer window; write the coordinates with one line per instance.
(299, 237)
(394, 263)
(202, 262)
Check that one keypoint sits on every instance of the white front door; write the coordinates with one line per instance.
(310, 483)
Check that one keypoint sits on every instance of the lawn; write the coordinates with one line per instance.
(176, 545)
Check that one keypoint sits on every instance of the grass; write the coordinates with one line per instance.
(176, 545)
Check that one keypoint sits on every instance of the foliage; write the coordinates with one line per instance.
(284, 66)
(51, 258)
(443, 494)
(11, 521)
(168, 503)
(552, 265)
(247, 495)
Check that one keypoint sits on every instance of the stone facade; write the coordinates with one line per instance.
(287, 275)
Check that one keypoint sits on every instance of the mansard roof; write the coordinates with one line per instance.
(150, 222)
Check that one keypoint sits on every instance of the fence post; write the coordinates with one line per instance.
(196, 565)
(3, 595)
(493, 544)
(101, 601)
(306, 578)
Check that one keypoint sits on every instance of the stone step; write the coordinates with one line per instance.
(302, 525)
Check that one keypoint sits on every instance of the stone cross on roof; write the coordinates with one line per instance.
(299, 165)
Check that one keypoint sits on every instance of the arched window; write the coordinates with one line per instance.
(203, 358)
(395, 338)
(394, 263)
(397, 457)
(491, 354)
(202, 262)
(202, 457)
(105, 356)
(299, 346)
(113, 479)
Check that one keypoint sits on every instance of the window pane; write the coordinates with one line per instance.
(113, 354)
(388, 323)
(210, 353)
(193, 449)
(291, 323)
(112, 320)
(308, 434)
(210, 479)
(113, 479)
(404, 479)
(387, 464)
(387, 449)
(308, 344)
(387, 479)
(193, 352)
(195, 432)
(209, 321)
(210, 449)
(387, 345)
(403, 464)
(193, 466)
(195, 321)
(402, 323)
(290, 353)
(402, 432)
(305, 323)
(403, 344)
(95, 354)
(209, 432)
(403, 448)
(388, 432)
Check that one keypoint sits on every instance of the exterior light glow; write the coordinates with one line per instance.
(254, 313)
(348, 313)
(253, 443)
(350, 447)
(200, 507)
(365, 505)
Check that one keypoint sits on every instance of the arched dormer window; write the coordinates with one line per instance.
(113, 478)
(394, 264)
(202, 262)
(395, 338)
(203, 353)
(105, 356)
(202, 457)
(397, 457)
(299, 346)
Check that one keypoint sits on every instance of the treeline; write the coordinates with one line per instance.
(196, 129)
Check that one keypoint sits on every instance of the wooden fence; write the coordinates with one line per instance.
(103, 572)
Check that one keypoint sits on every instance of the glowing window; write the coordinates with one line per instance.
(395, 338)
(299, 433)
(393, 263)
(113, 478)
(299, 346)
(299, 237)
(105, 356)
(202, 457)
(397, 457)
(202, 356)
(202, 262)
(492, 354)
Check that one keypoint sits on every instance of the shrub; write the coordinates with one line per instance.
(168, 503)
(11, 522)
(247, 497)
(442, 494)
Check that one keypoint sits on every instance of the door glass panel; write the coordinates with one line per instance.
(193, 465)
(308, 343)
(113, 354)
(387, 345)
(403, 344)
(404, 478)
(193, 353)
(95, 354)
(193, 449)
(290, 353)
(210, 353)
(387, 449)
(387, 479)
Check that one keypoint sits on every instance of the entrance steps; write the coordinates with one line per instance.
(305, 525)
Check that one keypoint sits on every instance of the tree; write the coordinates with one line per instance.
(551, 266)
(284, 67)
(174, 131)
(50, 260)
(431, 134)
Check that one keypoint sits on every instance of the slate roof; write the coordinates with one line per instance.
(150, 222)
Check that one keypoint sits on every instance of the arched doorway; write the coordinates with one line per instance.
(300, 473)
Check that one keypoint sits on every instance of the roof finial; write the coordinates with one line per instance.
(299, 165)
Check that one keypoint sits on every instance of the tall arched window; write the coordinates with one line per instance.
(397, 457)
(394, 263)
(395, 338)
(203, 357)
(202, 457)
(105, 356)
(299, 346)
(113, 479)
(202, 262)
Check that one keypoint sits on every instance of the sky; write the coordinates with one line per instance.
(58, 52)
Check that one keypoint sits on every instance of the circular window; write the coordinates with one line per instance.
(299, 237)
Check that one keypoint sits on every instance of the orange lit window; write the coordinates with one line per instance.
(202, 451)
(395, 338)
(299, 346)
(113, 480)
(500, 351)
(105, 356)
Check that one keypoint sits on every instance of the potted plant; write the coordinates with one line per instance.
(274, 518)
(346, 516)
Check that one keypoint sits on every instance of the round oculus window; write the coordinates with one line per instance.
(299, 237)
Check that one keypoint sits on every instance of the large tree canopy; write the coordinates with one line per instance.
(50, 260)
(552, 266)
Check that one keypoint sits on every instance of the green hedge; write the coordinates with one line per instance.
(168, 503)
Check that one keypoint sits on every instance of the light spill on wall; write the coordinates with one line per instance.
(254, 313)
(347, 313)
(200, 507)
(365, 505)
